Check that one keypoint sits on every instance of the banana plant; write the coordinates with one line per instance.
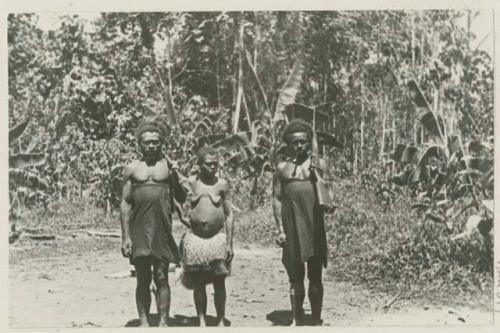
(23, 181)
(450, 175)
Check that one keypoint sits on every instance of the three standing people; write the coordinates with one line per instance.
(150, 187)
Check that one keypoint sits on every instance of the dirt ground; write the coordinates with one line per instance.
(79, 281)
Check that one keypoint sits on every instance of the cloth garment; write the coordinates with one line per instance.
(303, 224)
(151, 223)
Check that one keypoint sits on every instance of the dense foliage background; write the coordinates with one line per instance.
(85, 85)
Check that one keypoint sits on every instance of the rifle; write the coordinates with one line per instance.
(324, 200)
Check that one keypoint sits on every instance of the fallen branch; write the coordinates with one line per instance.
(388, 305)
(41, 237)
(103, 234)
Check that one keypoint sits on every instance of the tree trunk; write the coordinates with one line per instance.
(362, 127)
(171, 116)
(217, 78)
(422, 44)
(384, 116)
(393, 136)
(355, 163)
(412, 18)
(239, 94)
(256, 41)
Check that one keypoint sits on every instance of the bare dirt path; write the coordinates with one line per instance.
(83, 290)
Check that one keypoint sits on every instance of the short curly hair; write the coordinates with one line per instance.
(149, 125)
(295, 126)
(206, 151)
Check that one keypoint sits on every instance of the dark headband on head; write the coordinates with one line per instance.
(297, 126)
(151, 126)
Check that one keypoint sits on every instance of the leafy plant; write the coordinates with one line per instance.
(448, 176)
(28, 182)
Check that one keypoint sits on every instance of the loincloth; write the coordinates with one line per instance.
(203, 260)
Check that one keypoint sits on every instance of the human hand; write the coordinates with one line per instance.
(229, 253)
(127, 247)
(330, 210)
(281, 239)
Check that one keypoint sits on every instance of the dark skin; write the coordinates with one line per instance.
(152, 168)
(299, 168)
(210, 212)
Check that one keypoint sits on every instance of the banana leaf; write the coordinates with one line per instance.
(328, 140)
(434, 125)
(431, 151)
(16, 131)
(306, 113)
(398, 152)
(209, 139)
(237, 158)
(32, 145)
(400, 179)
(482, 164)
(484, 226)
(419, 98)
(411, 155)
(289, 89)
(234, 142)
(19, 161)
(477, 146)
(29, 178)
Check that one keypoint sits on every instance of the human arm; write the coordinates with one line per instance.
(178, 183)
(125, 207)
(180, 210)
(229, 219)
(180, 187)
(323, 172)
(281, 239)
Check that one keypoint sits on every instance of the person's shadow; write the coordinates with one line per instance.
(177, 321)
(284, 318)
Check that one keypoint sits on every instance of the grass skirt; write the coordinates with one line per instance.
(203, 260)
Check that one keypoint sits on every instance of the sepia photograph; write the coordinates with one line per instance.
(250, 168)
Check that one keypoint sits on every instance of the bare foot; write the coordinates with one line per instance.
(221, 323)
(163, 323)
(143, 323)
(299, 320)
(317, 322)
(202, 322)
(297, 323)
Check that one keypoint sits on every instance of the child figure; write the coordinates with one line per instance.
(207, 249)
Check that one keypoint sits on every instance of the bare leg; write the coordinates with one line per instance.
(142, 293)
(200, 302)
(220, 300)
(162, 292)
(314, 272)
(297, 294)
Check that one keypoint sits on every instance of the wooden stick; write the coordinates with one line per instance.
(392, 301)
(103, 234)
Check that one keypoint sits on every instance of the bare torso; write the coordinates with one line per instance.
(207, 211)
(141, 173)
